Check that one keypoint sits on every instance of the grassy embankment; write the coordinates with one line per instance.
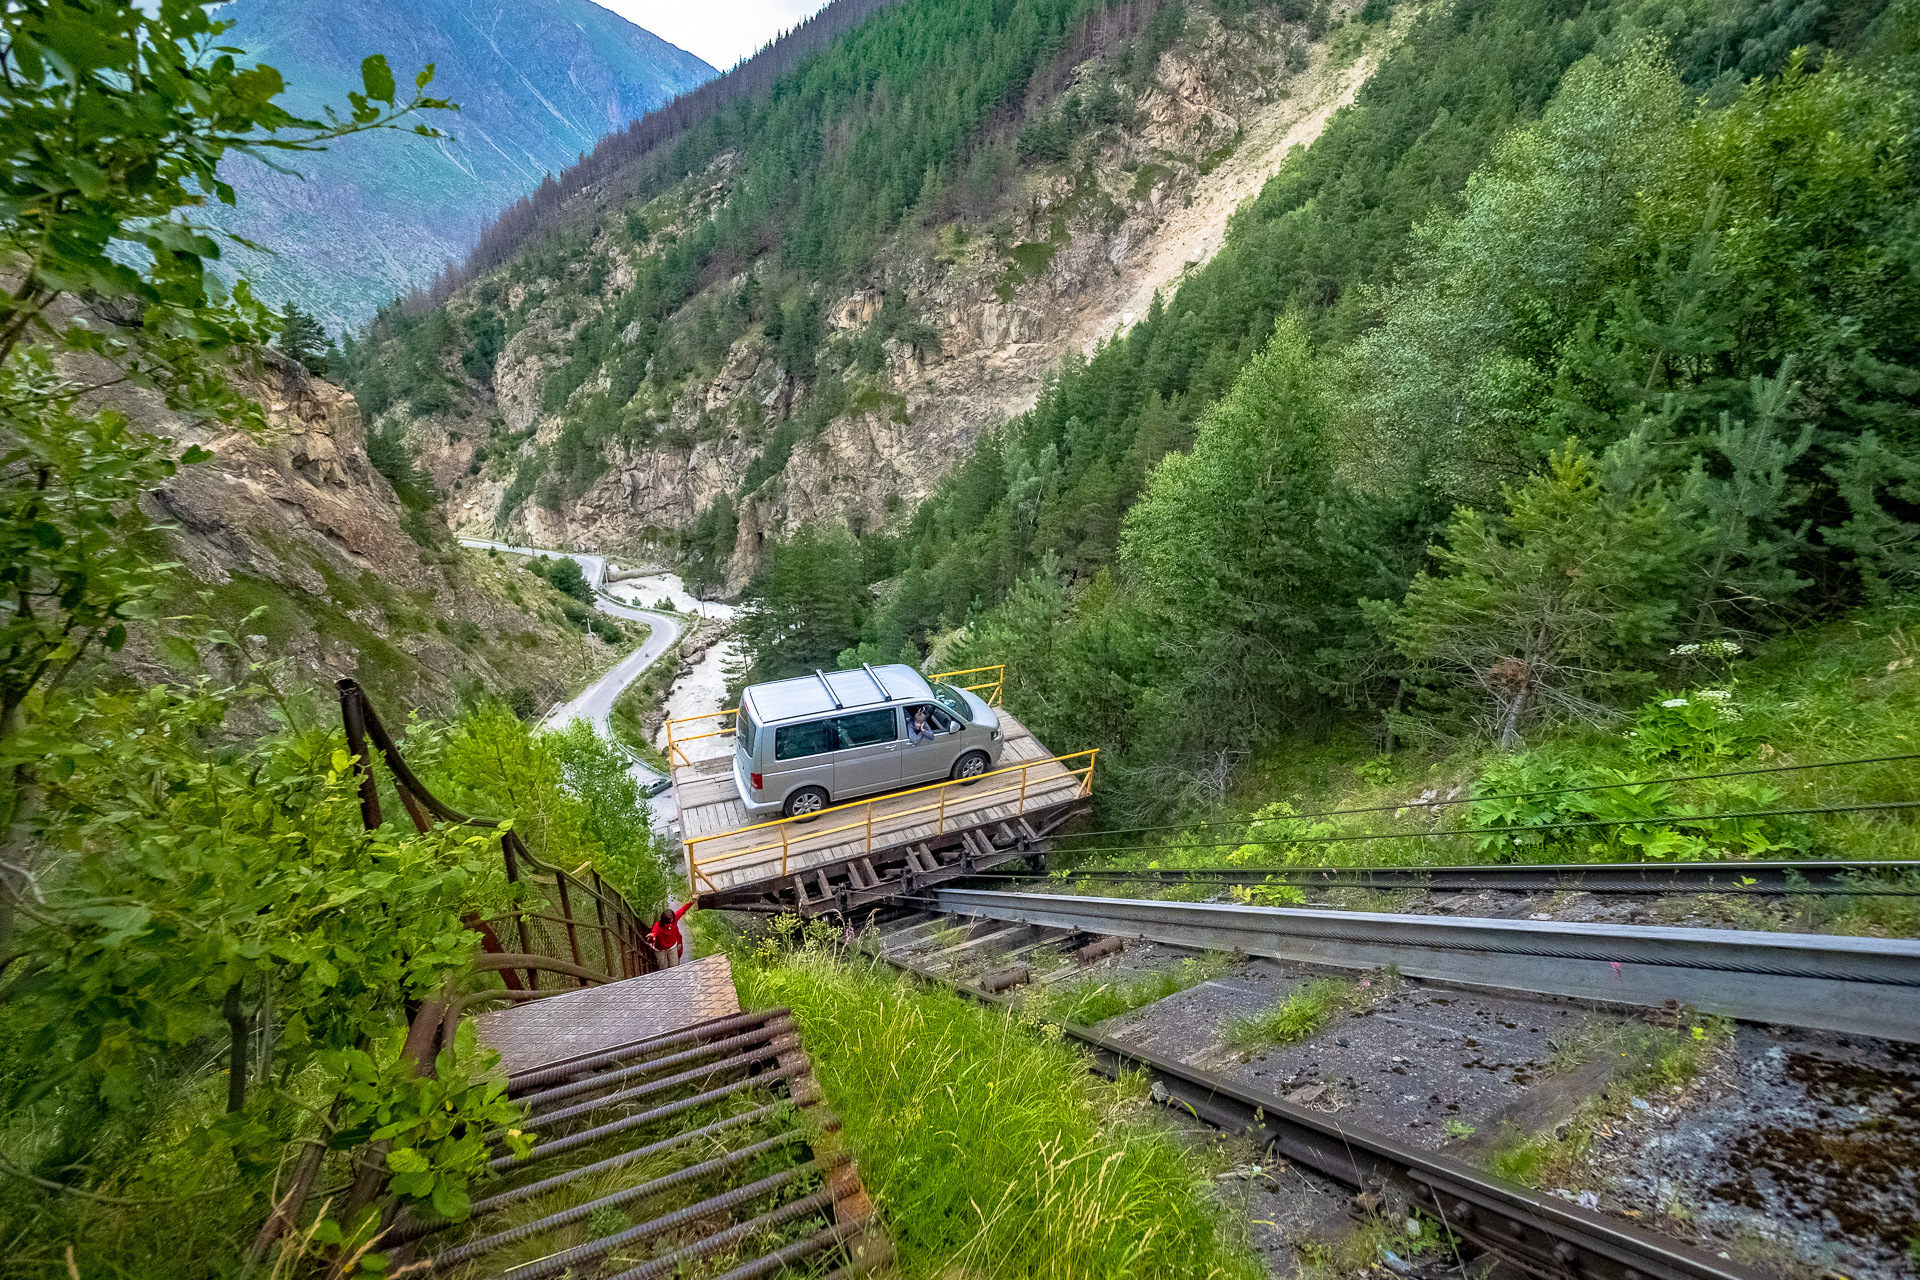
(989, 1148)
(1845, 690)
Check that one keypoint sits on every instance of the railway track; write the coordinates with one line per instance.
(1539, 1235)
(1763, 879)
(1857, 986)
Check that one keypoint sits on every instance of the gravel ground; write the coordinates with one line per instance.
(1796, 1152)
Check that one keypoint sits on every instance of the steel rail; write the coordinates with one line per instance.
(1859, 986)
(1541, 1235)
(1768, 879)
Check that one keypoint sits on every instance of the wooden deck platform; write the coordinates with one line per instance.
(873, 848)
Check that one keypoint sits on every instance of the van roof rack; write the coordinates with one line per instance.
(886, 694)
(827, 684)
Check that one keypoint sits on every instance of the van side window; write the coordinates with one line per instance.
(867, 728)
(792, 741)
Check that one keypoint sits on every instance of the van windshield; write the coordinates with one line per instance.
(950, 699)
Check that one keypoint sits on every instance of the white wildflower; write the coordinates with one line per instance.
(1674, 702)
(1717, 695)
(1683, 651)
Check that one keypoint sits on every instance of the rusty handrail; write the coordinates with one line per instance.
(619, 927)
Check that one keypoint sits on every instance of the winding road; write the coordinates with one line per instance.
(595, 703)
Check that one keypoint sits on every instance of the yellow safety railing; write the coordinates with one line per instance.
(994, 683)
(677, 742)
(963, 796)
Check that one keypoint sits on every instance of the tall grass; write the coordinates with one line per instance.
(1297, 1017)
(1092, 1000)
(989, 1148)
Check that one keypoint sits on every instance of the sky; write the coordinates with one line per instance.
(720, 31)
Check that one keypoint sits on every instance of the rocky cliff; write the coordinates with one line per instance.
(292, 540)
(1074, 252)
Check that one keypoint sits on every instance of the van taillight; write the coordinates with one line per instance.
(754, 778)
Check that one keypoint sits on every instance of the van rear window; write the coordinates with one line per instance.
(794, 741)
(744, 730)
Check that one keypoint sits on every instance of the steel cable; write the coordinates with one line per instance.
(1503, 831)
(1517, 795)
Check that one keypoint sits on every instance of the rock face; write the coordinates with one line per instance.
(297, 536)
(537, 81)
(1075, 256)
(271, 506)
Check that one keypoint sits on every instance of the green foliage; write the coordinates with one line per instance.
(1567, 595)
(437, 1123)
(194, 908)
(1298, 1017)
(564, 575)
(249, 870)
(1697, 731)
(1018, 1163)
(72, 578)
(1599, 275)
(710, 546)
(1245, 549)
(806, 608)
(1656, 821)
(301, 338)
(616, 816)
(563, 790)
(392, 456)
(113, 117)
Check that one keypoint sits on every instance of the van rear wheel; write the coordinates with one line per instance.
(806, 800)
(970, 765)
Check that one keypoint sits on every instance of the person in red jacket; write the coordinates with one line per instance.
(666, 939)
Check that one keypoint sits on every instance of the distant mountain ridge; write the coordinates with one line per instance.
(539, 82)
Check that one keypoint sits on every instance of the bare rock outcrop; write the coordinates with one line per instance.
(1075, 257)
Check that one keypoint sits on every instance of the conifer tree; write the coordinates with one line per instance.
(301, 338)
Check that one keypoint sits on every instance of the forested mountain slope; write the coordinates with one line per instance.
(1644, 393)
(1584, 338)
(538, 83)
(863, 272)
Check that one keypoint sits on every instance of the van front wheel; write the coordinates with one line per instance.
(970, 765)
(805, 801)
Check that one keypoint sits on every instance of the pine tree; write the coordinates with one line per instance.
(302, 339)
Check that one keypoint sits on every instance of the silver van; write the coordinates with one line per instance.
(803, 744)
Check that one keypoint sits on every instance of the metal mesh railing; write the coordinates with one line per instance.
(561, 915)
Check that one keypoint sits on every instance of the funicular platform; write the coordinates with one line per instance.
(870, 849)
